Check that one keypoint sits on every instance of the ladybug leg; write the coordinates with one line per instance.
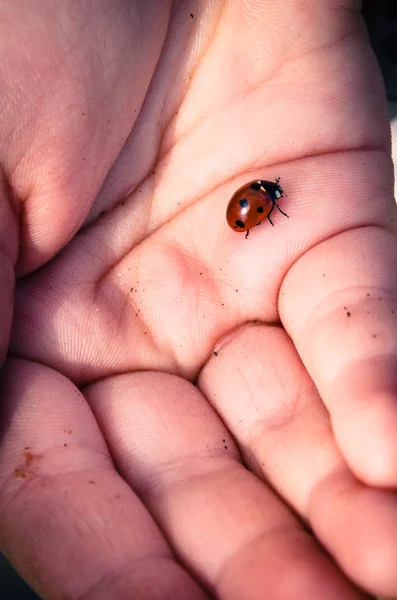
(268, 216)
(246, 235)
(282, 212)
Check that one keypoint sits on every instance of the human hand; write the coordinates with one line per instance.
(119, 477)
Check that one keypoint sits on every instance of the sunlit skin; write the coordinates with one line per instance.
(186, 413)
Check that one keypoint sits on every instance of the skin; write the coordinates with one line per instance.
(186, 413)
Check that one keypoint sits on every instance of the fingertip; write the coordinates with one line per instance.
(365, 428)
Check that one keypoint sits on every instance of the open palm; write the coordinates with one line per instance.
(173, 390)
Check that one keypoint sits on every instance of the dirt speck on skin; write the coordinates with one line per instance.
(30, 466)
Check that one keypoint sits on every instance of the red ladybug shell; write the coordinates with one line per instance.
(252, 203)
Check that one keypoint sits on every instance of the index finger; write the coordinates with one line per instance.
(339, 305)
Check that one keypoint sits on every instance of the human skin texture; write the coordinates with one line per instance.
(186, 413)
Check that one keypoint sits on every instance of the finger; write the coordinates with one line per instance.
(65, 126)
(229, 529)
(274, 412)
(339, 304)
(68, 522)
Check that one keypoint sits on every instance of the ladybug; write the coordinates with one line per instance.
(252, 203)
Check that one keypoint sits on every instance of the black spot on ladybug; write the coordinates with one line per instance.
(243, 203)
(239, 224)
(255, 185)
(260, 209)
